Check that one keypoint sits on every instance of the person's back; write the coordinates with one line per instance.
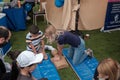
(76, 44)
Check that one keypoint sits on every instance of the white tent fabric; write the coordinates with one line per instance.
(92, 14)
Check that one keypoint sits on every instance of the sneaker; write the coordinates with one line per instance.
(89, 52)
(28, 18)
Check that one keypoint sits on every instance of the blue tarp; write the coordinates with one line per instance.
(3, 20)
(16, 18)
(46, 69)
(84, 70)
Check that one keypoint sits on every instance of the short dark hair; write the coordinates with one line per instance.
(4, 33)
(14, 54)
(34, 29)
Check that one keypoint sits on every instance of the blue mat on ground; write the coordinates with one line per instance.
(46, 69)
(16, 18)
(3, 20)
(85, 70)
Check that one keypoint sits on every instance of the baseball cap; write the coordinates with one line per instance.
(27, 58)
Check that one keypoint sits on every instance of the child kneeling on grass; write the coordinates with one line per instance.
(77, 45)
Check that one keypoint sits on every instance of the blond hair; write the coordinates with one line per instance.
(50, 31)
(110, 68)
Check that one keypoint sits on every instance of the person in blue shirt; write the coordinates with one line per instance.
(77, 45)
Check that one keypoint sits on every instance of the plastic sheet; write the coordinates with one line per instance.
(84, 70)
(16, 18)
(3, 20)
(46, 69)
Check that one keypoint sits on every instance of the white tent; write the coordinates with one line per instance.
(92, 14)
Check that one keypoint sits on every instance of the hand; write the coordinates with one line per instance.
(45, 55)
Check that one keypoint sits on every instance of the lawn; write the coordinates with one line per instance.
(104, 45)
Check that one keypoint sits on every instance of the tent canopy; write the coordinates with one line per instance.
(92, 14)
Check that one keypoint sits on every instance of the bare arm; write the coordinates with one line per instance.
(43, 45)
(60, 47)
(33, 48)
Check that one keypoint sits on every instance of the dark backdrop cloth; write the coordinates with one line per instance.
(16, 18)
(3, 20)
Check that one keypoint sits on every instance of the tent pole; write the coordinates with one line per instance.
(77, 18)
(76, 23)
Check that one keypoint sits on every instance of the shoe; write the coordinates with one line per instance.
(89, 52)
(28, 18)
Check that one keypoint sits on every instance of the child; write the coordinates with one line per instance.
(24, 64)
(5, 35)
(77, 44)
(13, 55)
(35, 42)
(108, 69)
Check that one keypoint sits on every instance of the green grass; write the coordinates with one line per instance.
(18, 43)
(103, 44)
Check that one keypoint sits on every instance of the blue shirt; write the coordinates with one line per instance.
(69, 38)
